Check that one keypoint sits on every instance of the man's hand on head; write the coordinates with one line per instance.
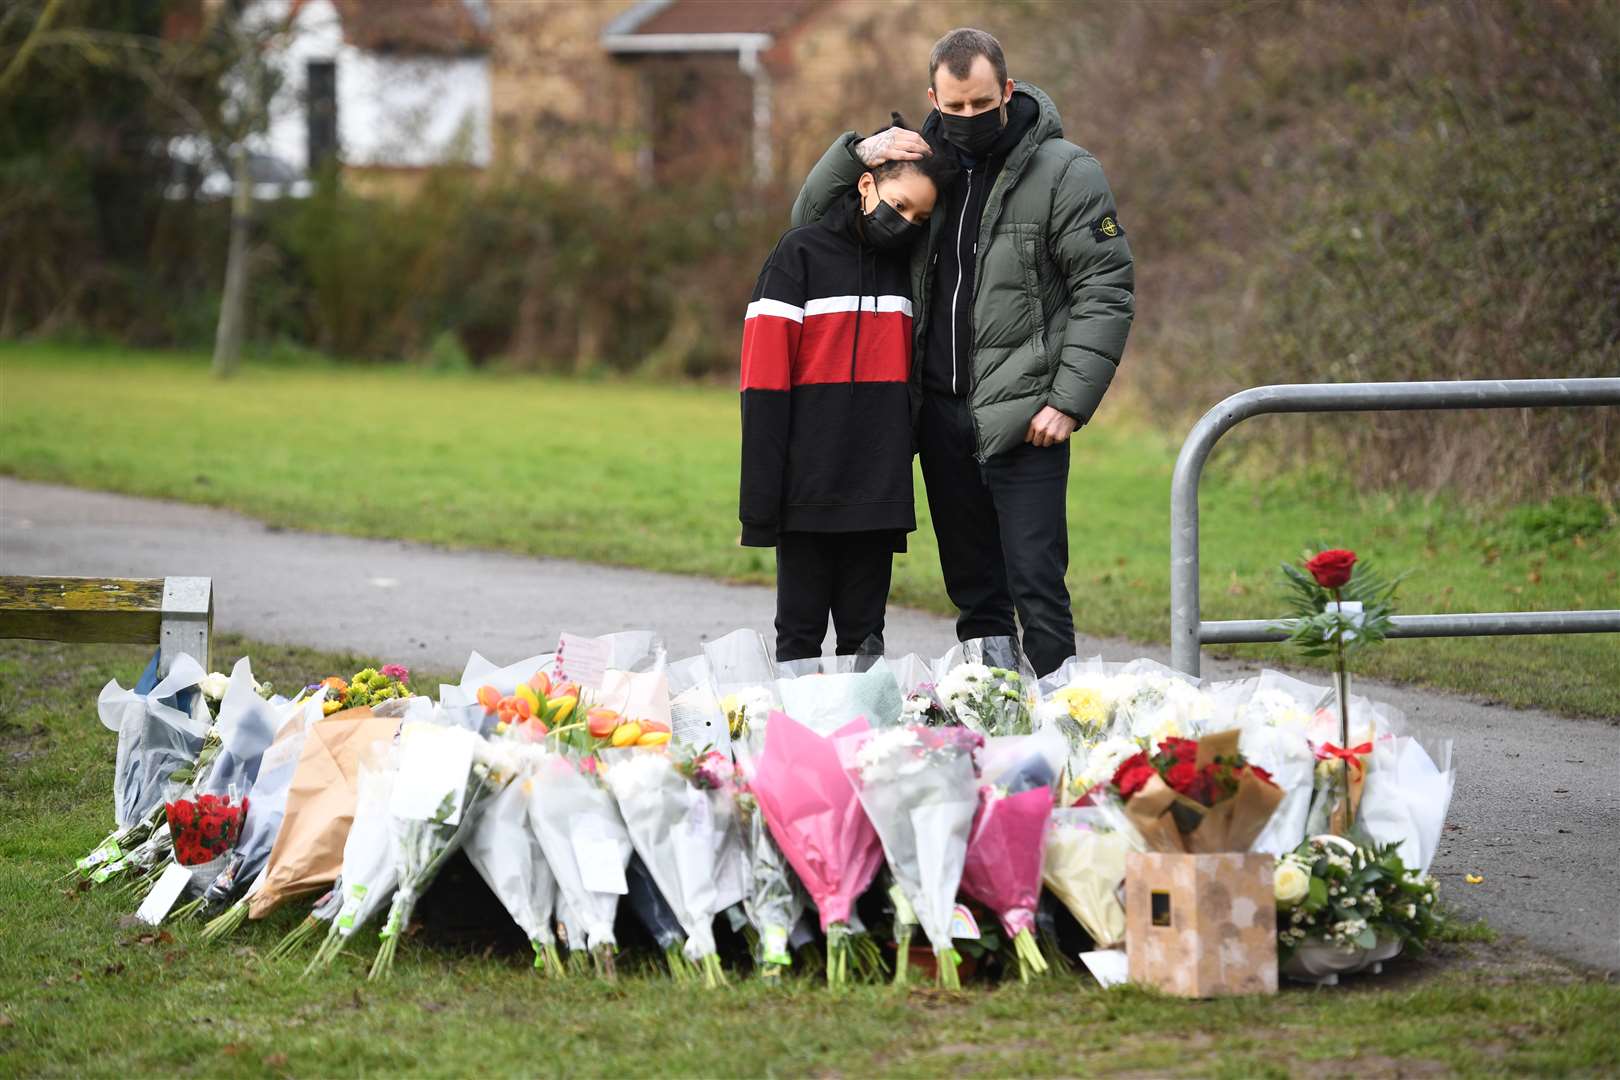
(1050, 427)
(895, 144)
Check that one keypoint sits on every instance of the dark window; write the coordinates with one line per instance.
(1160, 908)
(321, 112)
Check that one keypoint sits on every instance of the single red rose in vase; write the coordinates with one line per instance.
(1331, 569)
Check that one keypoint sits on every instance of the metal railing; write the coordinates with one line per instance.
(1188, 633)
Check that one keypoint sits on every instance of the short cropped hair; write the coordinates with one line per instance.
(958, 49)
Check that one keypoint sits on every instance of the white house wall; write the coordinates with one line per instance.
(393, 109)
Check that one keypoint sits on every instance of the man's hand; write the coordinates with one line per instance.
(1050, 427)
(895, 144)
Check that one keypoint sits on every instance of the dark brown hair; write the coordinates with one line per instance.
(958, 49)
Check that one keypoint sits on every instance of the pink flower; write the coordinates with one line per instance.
(396, 671)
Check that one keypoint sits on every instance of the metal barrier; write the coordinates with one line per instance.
(1188, 633)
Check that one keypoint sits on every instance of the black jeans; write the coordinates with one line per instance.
(845, 575)
(1003, 532)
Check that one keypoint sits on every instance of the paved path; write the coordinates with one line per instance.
(1536, 812)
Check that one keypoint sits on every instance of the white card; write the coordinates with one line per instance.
(695, 721)
(601, 862)
(434, 763)
(1350, 608)
(155, 908)
(1110, 967)
(582, 660)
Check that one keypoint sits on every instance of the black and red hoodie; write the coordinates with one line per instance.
(826, 404)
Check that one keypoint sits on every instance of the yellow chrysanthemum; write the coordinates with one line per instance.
(1086, 705)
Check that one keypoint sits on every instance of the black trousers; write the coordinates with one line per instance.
(845, 575)
(1003, 533)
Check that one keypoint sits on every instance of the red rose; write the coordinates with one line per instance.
(1132, 778)
(1181, 776)
(181, 815)
(1131, 762)
(1179, 749)
(1331, 569)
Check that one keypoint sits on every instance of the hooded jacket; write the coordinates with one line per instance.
(1050, 299)
(826, 410)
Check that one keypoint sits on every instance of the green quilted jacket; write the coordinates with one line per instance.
(1054, 282)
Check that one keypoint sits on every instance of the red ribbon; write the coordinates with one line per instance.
(1352, 755)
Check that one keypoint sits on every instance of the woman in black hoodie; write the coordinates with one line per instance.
(826, 407)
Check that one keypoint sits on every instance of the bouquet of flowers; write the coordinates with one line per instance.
(817, 820)
(161, 726)
(671, 827)
(1095, 765)
(918, 787)
(506, 854)
(445, 776)
(215, 685)
(204, 829)
(370, 856)
(367, 688)
(1342, 907)
(263, 821)
(586, 845)
(986, 685)
(1153, 703)
(743, 678)
(1340, 606)
(824, 701)
(1078, 701)
(1002, 869)
(655, 915)
(1198, 797)
(1084, 866)
(1406, 796)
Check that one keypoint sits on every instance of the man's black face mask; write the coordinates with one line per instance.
(975, 135)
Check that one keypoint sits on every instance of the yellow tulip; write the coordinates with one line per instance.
(564, 706)
(653, 738)
(527, 694)
(626, 734)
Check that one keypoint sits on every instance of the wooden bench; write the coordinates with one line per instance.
(175, 612)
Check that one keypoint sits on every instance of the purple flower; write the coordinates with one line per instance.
(396, 671)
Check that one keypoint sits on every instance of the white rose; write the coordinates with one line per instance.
(214, 686)
(1293, 883)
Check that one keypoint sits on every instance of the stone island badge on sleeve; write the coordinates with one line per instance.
(1107, 227)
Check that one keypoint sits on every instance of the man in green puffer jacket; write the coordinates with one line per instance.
(1023, 300)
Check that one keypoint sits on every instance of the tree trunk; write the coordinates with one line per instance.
(233, 304)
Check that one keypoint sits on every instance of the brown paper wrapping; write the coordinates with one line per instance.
(1171, 822)
(308, 852)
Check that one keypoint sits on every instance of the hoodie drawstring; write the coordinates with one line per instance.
(860, 302)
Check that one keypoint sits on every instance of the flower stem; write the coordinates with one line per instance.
(902, 953)
(295, 939)
(948, 977)
(226, 924)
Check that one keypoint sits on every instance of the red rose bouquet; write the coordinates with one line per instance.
(205, 827)
(1196, 796)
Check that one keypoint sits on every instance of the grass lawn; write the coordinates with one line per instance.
(645, 475)
(83, 993)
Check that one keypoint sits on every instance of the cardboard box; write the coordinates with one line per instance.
(1201, 925)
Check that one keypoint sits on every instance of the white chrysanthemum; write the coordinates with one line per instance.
(1276, 709)
(914, 710)
(1104, 760)
(885, 754)
(637, 772)
(963, 682)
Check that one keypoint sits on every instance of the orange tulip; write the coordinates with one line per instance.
(540, 683)
(522, 707)
(654, 725)
(489, 698)
(601, 722)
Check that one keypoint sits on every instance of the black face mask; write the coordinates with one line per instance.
(886, 228)
(975, 135)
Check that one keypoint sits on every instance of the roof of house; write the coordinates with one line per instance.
(698, 25)
(445, 27)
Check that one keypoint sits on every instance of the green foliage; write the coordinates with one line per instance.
(1358, 894)
(1316, 631)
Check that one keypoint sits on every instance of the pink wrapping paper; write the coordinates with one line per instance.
(815, 816)
(1003, 868)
